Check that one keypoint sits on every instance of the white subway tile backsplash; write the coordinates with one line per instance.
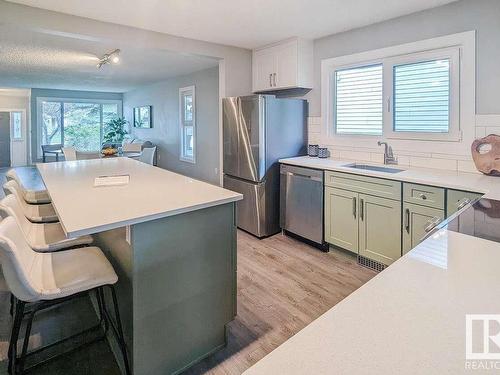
(485, 124)
(314, 128)
(334, 153)
(487, 120)
(410, 153)
(354, 155)
(447, 164)
(403, 160)
(492, 130)
(377, 158)
(315, 120)
(451, 157)
(467, 166)
(480, 132)
(314, 138)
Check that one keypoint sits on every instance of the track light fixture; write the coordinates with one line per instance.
(108, 58)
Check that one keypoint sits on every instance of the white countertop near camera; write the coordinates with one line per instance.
(152, 193)
(476, 182)
(409, 319)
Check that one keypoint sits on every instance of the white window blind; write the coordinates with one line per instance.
(422, 97)
(358, 100)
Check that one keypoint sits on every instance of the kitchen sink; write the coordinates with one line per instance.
(373, 168)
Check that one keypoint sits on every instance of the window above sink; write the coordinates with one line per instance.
(387, 89)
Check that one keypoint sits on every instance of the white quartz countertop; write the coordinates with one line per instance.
(475, 182)
(409, 319)
(152, 193)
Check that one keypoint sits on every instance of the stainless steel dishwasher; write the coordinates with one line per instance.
(301, 203)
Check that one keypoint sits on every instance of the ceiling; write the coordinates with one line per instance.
(241, 23)
(35, 59)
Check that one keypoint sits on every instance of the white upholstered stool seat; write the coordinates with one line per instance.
(47, 276)
(43, 280)
(30, 196)
(44, 237)
(36, 213)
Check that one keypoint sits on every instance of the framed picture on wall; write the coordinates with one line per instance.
(143, 117)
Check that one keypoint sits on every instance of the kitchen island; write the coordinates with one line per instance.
(172, 242)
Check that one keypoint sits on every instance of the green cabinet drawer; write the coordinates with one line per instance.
(456, 199)
(428, 196)
(366, 185)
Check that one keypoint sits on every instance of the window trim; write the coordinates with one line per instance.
(182, 126)
(465, 41)
(40, 100)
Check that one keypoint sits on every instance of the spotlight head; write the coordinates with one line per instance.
(112, 57)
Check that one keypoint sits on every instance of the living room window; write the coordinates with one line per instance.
(74, 122)
(187, 120)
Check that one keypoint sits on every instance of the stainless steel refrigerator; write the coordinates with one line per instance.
(258, 130)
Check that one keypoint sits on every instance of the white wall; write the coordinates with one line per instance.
(164, 97)
(480, 15)
(18, 101)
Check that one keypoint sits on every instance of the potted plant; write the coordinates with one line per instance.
(114, 132)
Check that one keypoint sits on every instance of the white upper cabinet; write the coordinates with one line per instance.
(284, 65)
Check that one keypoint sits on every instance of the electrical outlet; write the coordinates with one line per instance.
(216, 171)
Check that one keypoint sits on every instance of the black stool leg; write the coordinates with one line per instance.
(121, 337)
(14, 336)
(100, 303)
(27, 334)
(11, 311)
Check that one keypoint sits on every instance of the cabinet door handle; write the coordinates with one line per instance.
(462, 203)
(362, 209)
(423, 196)
(274, 79)
(407, 220)
(432, 224)
(270, 80)
(354, 204)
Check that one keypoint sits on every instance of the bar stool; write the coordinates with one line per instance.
(42, 280)
(44, 237)
(36, 213)
(30, 196)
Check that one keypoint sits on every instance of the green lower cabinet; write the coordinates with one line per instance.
(341, 218)
(417, 221)
(457, 199)
(374, 226)
(379, 228)
(366, 225)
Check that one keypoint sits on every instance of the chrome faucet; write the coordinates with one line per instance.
(389, 157)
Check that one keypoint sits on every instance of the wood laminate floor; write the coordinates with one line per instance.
(283, 285)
